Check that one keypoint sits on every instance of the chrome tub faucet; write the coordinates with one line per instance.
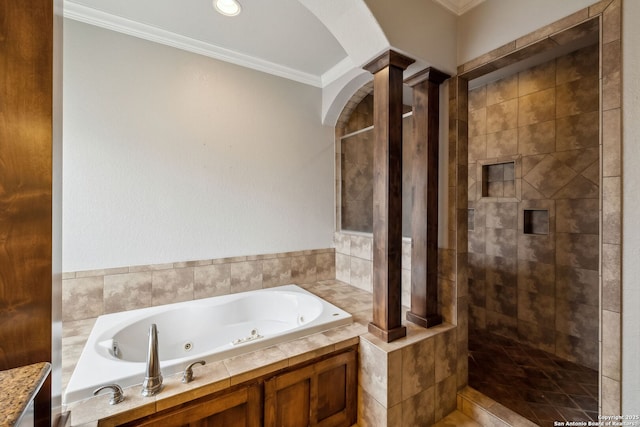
(153, 377)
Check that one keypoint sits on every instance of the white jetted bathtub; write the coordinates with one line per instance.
(207, 329)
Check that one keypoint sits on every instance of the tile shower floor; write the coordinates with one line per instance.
(533, 383)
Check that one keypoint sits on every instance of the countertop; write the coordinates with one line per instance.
(18, 387)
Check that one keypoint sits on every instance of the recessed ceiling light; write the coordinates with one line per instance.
(227, 7)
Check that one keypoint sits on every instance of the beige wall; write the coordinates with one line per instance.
(171, 156)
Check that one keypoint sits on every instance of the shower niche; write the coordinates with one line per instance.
(498, 179)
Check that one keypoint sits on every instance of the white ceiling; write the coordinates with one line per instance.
(281, 37)
(278, 36)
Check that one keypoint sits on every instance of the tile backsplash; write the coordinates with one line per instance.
(88, 294)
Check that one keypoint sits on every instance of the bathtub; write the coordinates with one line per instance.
(208, 329)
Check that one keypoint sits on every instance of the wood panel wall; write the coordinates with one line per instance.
(26, 67)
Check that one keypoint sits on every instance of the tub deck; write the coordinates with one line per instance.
(219, 375)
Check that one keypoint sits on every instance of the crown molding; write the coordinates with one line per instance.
(459, 7)
(337, 71)
(108, 21)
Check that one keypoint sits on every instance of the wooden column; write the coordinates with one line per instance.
(26, 84)
(387, 194)
(424, 190)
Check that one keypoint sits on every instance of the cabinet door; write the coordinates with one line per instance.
(239, 408)
(323, 394)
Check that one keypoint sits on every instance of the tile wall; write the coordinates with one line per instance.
(533, 244)
(604, 18)
(356, 170)
(88, 294)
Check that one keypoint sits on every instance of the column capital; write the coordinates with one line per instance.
(428, 74)
(390, 57)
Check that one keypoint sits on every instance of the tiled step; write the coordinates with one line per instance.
(487, 412)
(456, 419)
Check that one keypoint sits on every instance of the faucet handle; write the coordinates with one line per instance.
(188, 372)
(116, 397)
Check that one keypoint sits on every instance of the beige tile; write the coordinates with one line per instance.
(134, 406)
(307, 348)
(577, 131)
(537, 308)
(343, 268)
(577, 285)
(325, 266)
(207, 379)
(537, 107)
(477, 122)
(500, 242)
(577, 216)
(446, 351)
(502, 143)
(502, 90)
(578, 160)
(599, 7)
(480, 415)
(127, 291)
(502, 116)
(251, 365)
(456, 419)
(583, 351)
(577, 97)
(370, 412)
(418, 367)
(536, 78)
(611, 140)
(611, 341)
(501, 214)
(362, 247)
(549, 176)
(577, 250)
(361, 275)
(537, 138)
(578, 187)
(343, 243)
(303, 269)
(612, 22)
(536, 277)
(611, 277)
(169, 286)
(577, 65)
(445, 397)
(478, 98)
(610, 391)
(82, 298)
(245, 276)
(478, 147)
(374, 373)
(578, 320)
(73, 328)
(212, 280)
(501, 324)
(537, 336)
(419, 410)
(276, 272)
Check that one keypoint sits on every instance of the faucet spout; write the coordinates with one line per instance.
(153, 377)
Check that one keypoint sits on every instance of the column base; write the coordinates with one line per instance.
(426, 322)
(388, 335)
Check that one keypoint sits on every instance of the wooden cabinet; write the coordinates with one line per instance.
(238, 408)
(323, 394)
(320, 393)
